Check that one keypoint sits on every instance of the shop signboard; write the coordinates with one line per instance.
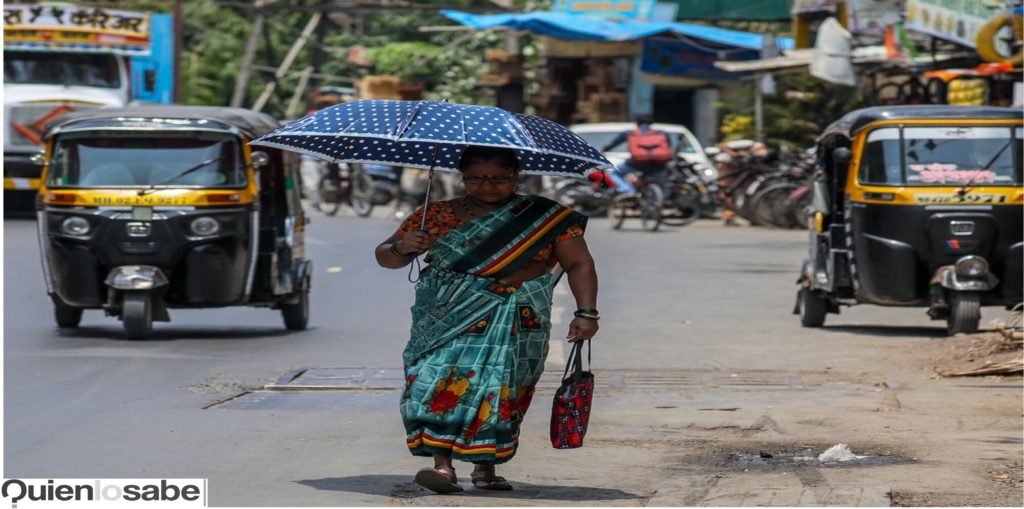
(802, 6)
(952, 20)
(41, 26)
(622, 9)
(674, 57)
(870, 17)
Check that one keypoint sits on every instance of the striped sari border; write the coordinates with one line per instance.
(531, 238)
(424, 438)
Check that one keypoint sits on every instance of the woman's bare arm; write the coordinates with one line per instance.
(575, 259)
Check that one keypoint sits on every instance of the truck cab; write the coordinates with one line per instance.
(64, 58)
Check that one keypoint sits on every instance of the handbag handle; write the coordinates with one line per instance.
(575, 360)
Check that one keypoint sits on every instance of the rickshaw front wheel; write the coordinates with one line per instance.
(964, 313)
(67, 317)
(812, 309)
(137, 314)
(296, 316)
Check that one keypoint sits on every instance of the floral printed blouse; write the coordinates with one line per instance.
(441, 217)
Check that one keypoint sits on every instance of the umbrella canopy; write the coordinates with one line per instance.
(432, 135)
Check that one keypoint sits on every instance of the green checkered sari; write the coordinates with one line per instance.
(478, 344)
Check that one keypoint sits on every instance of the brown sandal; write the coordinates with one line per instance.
(437, 481)
(489, 481)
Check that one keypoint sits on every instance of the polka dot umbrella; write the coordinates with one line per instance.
(432, 135)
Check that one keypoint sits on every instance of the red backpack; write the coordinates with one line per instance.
(651, 147)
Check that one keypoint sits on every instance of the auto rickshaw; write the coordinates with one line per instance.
(143, 209)
(917, 206)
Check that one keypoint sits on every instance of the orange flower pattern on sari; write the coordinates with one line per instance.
(449, 391)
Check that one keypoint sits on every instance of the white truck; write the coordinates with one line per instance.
(59, 58)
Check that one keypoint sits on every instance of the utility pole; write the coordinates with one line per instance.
(238, 97)
(288, 60)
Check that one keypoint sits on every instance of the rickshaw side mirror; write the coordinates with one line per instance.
(841, 157)
(260, 159)
(37, 158)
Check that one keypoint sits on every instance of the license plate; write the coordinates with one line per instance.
(944, 199)
(140, 200)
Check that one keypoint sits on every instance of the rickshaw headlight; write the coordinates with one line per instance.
(203, 226)
(971, 266)
(75, 225)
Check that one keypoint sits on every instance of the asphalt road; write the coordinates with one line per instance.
(697, 340)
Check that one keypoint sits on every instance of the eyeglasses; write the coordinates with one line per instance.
(496, 181)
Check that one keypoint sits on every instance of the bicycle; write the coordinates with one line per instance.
(688, 195)
(342, 183)
(646, 203)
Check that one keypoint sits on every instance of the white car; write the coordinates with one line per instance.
(685, 143)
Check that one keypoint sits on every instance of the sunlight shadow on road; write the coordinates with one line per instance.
(906, 331)
(400, 486)
(211, 332)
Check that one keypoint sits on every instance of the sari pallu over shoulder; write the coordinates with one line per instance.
(501, 242)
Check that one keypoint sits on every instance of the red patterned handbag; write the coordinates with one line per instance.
(570, 412)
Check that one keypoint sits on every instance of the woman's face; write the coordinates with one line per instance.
(489, 182)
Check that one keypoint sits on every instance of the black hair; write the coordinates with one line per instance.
(503, 157)
(644, 118)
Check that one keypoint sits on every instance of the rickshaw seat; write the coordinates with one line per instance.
(108, 174)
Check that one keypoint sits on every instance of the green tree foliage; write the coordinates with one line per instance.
(794, 117)
(215, 32)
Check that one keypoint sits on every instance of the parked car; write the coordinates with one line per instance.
(686, 144)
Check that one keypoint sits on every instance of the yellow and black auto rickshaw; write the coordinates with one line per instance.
(917, 206)
(142, 209)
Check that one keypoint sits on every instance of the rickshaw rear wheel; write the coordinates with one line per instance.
(296, 316)
(812, 309)
(964, 313)
(67, 317)
(137, 314)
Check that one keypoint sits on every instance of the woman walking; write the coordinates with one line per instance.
(481, 321)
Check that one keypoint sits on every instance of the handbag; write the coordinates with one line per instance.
(570, 411)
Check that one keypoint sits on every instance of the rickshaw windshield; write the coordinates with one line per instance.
(942, 156)
(145, 158)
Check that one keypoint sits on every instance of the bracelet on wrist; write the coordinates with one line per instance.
(589, 311)
(394, 250)
(586, 316)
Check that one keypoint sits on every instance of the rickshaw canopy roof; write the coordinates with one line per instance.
(250, 123)
(853, 122)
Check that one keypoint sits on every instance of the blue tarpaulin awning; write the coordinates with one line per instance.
(574, 27)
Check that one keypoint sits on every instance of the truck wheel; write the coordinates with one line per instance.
(964, 313)
(812, 309)
(137, 315)
(67, 317)
(296, 316)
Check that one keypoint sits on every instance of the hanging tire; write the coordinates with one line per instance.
(296, 316)
(964, 313)
(812, 309)
(651, 201)
(67, 317)
(137, 314)
(362, 193)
